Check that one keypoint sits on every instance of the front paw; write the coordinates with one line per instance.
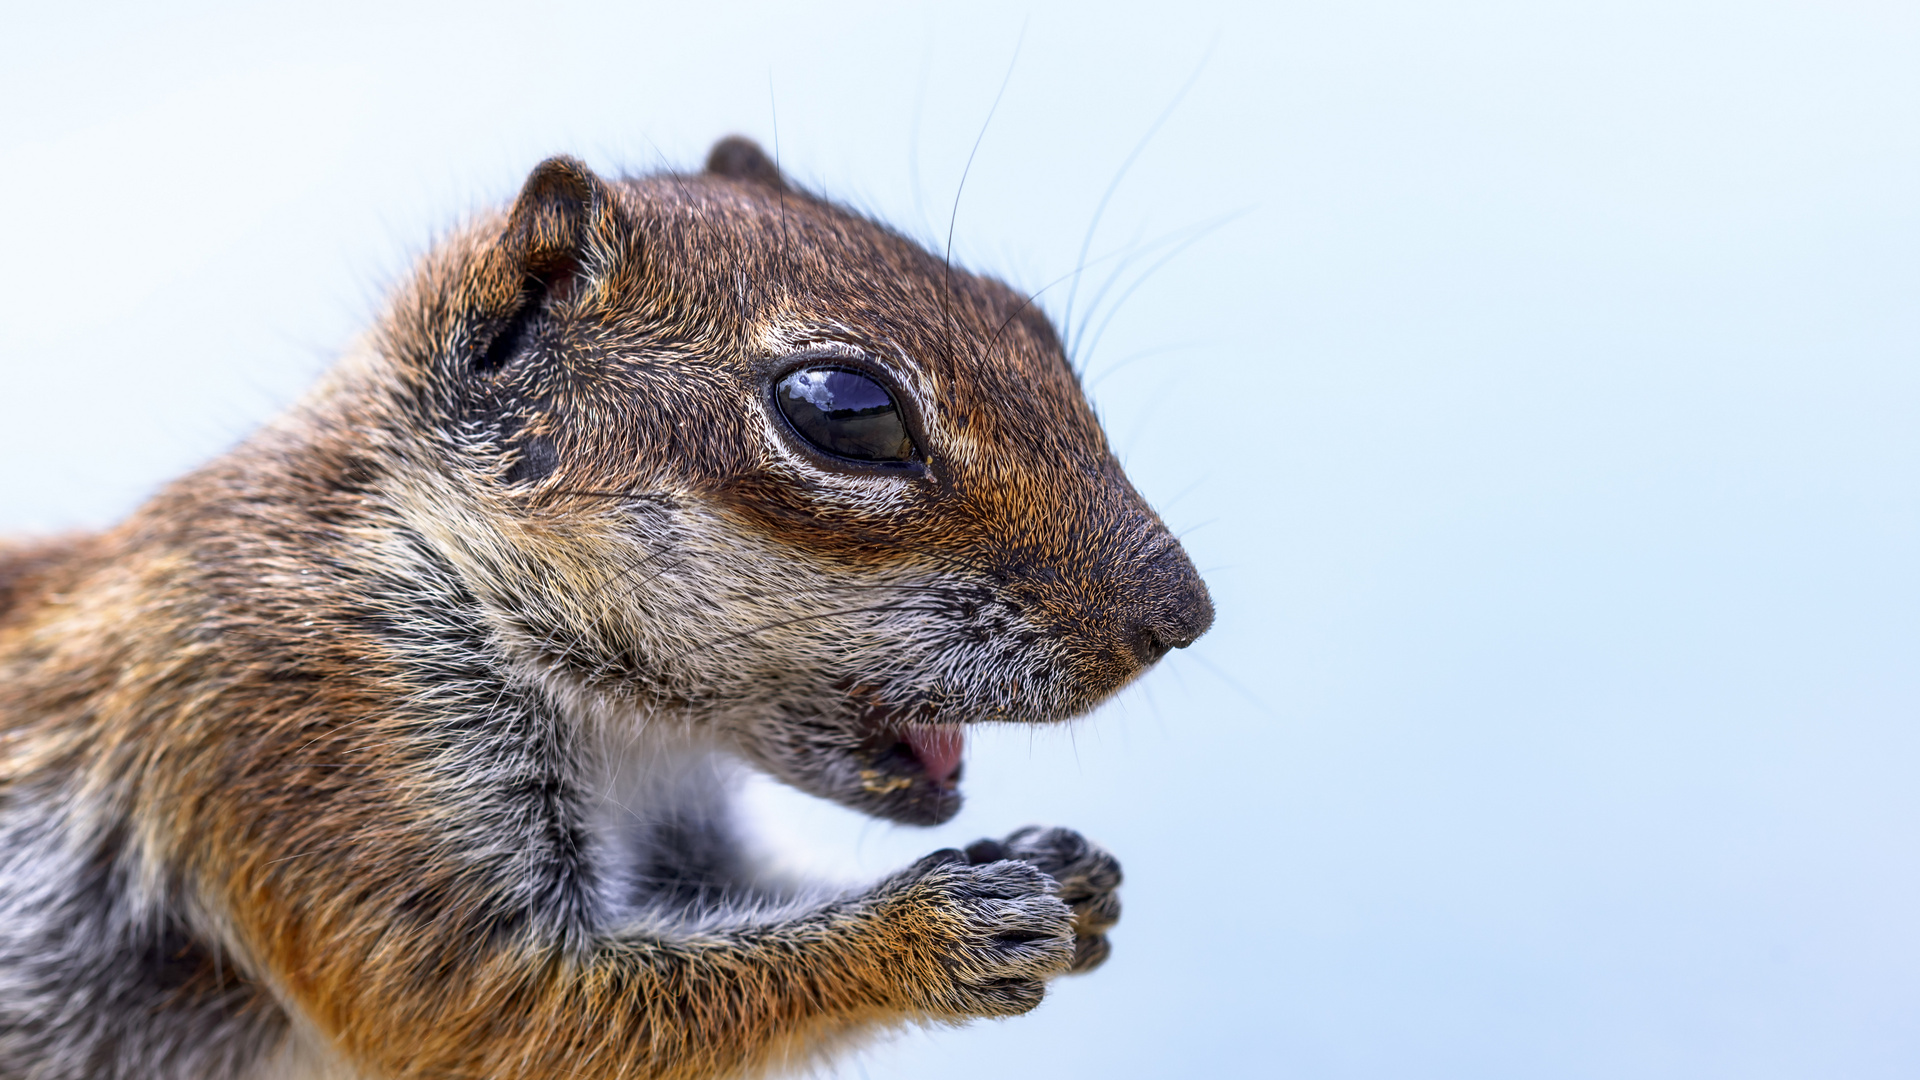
(975, 940)
(1089, 878)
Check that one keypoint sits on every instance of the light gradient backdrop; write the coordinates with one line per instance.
(1543, 416)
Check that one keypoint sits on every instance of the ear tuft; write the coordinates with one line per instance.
(740, 158)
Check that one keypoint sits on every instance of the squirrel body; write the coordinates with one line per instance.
(399, 741)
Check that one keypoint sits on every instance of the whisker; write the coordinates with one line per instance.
(626, 572)
(1140, 355)
(1184, 492)
(954, 217)
(786, 259)
(1233, 684)
(1139, 148)
(1125, 253)
(672, 174)
(1185, 234)
(1204, 231)
(1135, 251)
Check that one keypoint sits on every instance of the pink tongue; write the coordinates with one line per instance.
(939, 748)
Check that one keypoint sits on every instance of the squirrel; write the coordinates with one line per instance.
(400, 740)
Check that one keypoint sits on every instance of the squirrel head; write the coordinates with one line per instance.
(712, 450)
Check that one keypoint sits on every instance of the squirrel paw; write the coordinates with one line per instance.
(980, 940)
(1088, 877)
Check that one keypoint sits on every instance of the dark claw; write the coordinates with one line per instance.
(986, 851)
(1087, 875)
(943, 857)
(1089, 952)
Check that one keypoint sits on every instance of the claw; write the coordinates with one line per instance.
(1087, 876)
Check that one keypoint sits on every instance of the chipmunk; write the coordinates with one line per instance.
(399, 741)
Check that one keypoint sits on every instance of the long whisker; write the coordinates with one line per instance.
(786, 259)
(1175, 238)
(1135, 252)
(1129, 252)
(1142, 354)
(1138, 149)
(672, 174)
(1184, 492)
(953, 217)
(1233, 684)
(1203, 232)
(624, 576)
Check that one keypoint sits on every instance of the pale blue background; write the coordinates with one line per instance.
(1545, 425)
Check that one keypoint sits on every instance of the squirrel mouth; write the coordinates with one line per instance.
(903, 749)
(939, 748)
(900, 757)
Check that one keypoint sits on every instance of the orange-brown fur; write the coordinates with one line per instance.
(321, 732)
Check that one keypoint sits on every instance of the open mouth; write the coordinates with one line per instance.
(909, 755)
(940, 748)
(901, 760)
(904, 771)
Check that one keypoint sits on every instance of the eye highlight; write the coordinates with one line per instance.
(844, 413)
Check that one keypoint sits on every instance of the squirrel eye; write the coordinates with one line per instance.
(844, 413)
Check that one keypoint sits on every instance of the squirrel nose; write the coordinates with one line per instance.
(1177, 609)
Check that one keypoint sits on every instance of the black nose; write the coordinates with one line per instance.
(1176, 609)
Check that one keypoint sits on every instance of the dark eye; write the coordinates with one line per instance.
(844, 413)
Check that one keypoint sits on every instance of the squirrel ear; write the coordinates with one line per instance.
(562, 229)
(562, 209)
(740, 158)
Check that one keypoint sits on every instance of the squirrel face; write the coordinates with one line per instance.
(710, 451)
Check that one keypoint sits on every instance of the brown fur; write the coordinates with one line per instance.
(324, 716)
